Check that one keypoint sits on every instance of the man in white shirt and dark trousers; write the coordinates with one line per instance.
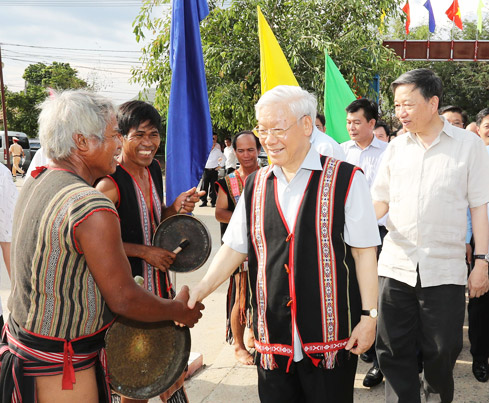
(307, 225)
(231, 159)
(365, 150)
(215, 160)
(427, 179)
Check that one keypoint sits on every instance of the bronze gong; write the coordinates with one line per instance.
(177, 229)
(145, 359)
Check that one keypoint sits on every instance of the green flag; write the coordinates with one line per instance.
(337, 96)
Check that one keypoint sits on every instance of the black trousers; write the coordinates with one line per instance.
(305, 383)
(371, 351)
(431, 316)
(478, 310)
(209, 179)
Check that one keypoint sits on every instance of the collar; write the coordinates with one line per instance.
(375, 143)
(447, 129)
(315, 133)
(311, 162)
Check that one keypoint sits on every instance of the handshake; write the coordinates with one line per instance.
(189, 311)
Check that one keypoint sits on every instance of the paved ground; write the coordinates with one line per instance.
(223, 380)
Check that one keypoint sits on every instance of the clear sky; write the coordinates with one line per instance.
(45, 27)
(106, 25)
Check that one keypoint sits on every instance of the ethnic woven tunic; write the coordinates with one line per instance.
(53, 292)
(304, 274)
(57, 322)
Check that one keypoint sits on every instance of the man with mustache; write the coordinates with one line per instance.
(246, 146)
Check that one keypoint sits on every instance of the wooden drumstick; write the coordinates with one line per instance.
(182, 246)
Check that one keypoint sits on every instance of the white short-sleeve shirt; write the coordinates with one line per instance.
(326, 145)
(361, 228)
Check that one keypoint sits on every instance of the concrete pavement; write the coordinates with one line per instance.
(223, 380)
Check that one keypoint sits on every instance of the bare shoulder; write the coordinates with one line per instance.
(109, 188)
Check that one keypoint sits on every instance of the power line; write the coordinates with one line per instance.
(92, 3)
(77, 66)
(115, 60)
(77, 49)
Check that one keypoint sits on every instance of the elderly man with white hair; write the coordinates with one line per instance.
(68, 262)
(308, 227)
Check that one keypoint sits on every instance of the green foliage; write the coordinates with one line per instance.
(22, 112)
(59, 76)
(465, 84)
(396, 31)
(21, 109)
(303, 28)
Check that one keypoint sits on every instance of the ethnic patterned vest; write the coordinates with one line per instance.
(139, 222)
(306, 273)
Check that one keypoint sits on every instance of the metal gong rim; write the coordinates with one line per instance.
(145, 359)
(172, 231)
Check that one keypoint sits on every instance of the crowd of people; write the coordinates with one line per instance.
(333, 251)
(424, 187)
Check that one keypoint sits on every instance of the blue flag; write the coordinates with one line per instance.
(189, 127)
(432, 23)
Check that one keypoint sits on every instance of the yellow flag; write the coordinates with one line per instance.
(382, 18)
(274, 68)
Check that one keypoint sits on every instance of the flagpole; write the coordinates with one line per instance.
(451, 42)
(476, 44)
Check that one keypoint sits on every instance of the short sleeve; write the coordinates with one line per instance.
(236, 235)
(478, 183)
(381, 186)
(361, 228)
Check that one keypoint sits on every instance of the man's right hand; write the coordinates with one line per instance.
(158, 257)
(188, 316)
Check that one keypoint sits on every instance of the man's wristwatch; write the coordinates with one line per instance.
(482, 257)
(370, 312)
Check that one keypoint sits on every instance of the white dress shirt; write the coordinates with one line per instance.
(368, 159)
(326, 145)
(428, 192)
(360, 223)
(231, 159)
(216, 158)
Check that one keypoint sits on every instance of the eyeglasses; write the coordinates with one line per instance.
(277, 133)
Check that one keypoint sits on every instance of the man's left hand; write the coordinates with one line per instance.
(478, 279)
(363, 336)
(185, 202)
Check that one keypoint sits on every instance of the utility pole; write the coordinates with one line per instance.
(4, 112)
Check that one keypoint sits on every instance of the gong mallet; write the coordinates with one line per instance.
(181, 246)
